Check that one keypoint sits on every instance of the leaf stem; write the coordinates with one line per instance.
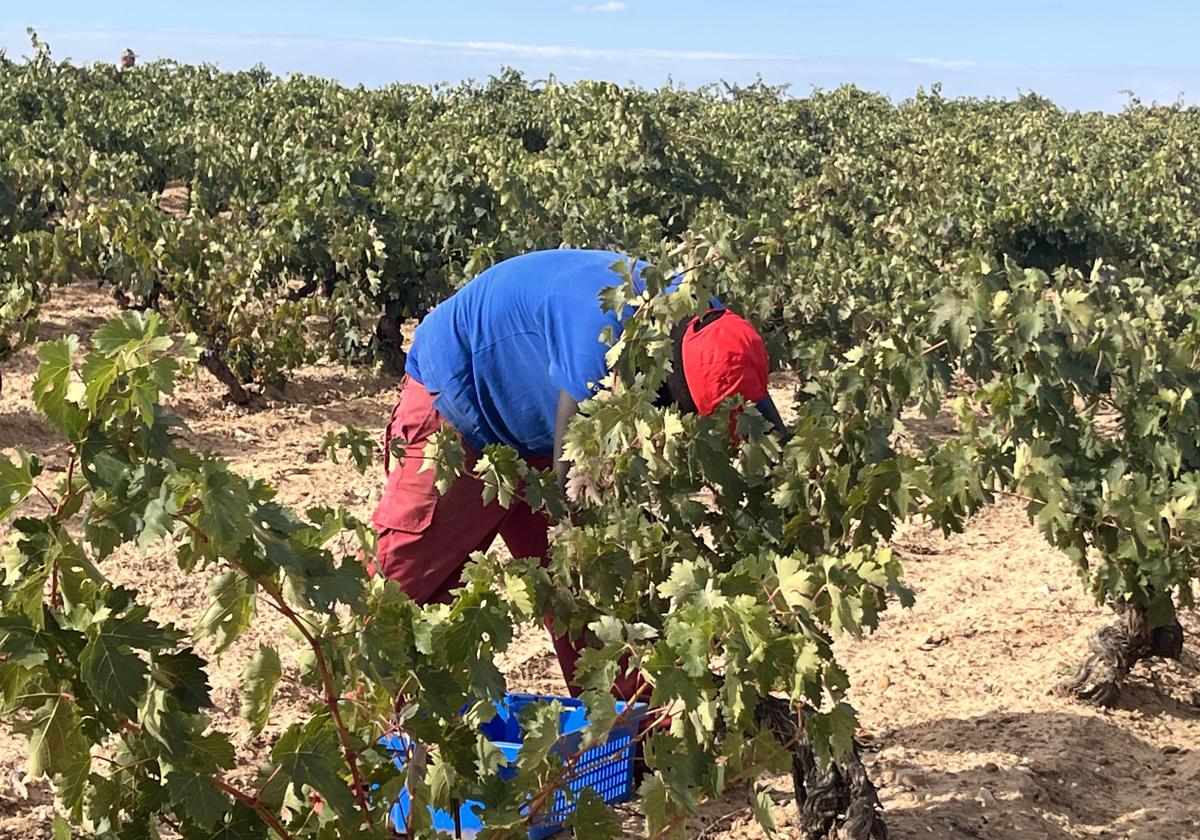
(330, 698)
(56, 601)
(252, 802)
(331, 695)
(45, 497)
(258, 793)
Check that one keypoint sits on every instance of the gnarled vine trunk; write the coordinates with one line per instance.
(215, 365)
(1115, 649)
(389, 344)
(840, 803)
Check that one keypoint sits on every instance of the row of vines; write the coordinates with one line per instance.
(1032, 270)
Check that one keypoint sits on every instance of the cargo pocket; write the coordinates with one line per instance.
(410, 497)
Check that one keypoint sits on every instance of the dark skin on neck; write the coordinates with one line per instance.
(674, 392)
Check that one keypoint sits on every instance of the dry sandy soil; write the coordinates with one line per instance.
(959, 728)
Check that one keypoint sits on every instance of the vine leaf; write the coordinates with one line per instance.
(241, 824)
(309, 754)
(51, 386)
(224, 515)
(832, 733)
(763, 807)
(158, 518)
(16, 482)
(211, 751)
(656, 808)
(593, 820)
(110, 667)
(953, 314)
(99, 372)
(230, 611)
(540, 732)
(184, 676)
(478, 625)
(262, 675)
(57, 747)
(197, 796)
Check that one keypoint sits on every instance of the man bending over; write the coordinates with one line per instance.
(508, 359)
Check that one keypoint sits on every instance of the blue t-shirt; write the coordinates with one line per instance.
(497, 353)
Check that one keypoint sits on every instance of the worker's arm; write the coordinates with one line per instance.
(567, 408)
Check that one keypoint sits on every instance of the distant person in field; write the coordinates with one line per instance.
(508, 359)
(128, 59)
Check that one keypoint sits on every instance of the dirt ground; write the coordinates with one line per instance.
(959, 728)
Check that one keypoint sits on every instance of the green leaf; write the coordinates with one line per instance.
(212, 752)
(230, 611)
(445, 455)
(478, 626)
(1029, 324)
(312, 580)
(184, 675)
(20, 642)
(136, 630)
(764, 808)
(56, 743)
(796, 584)
(309, 754)
(99, 372)
(224, 506)
(832, 733)
(440, 776)
(360, 444)
(656, 808)
(593, 820)
(242, 824)
(71, 782)
(111, 669)
(953, 314)
(262, 674)
(846, 615)
(196, 796)
(114, 673)
(439, 689)
(106, 464)
(519, 594)
(16, 482)
(540, 732)
(158, 518)
(126, 329)
(108, 664)
(51, 386)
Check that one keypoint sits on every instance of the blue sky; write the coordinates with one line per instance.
(1081, 54)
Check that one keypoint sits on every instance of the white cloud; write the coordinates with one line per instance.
(942, 63)
(612, 6)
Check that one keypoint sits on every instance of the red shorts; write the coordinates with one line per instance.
(425, 538)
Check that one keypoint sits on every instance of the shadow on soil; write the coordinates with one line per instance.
(1064, 775)
(27, 429)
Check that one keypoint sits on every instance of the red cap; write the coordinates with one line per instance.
(726, 357)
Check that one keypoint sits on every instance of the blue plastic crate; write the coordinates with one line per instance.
(606, 768)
